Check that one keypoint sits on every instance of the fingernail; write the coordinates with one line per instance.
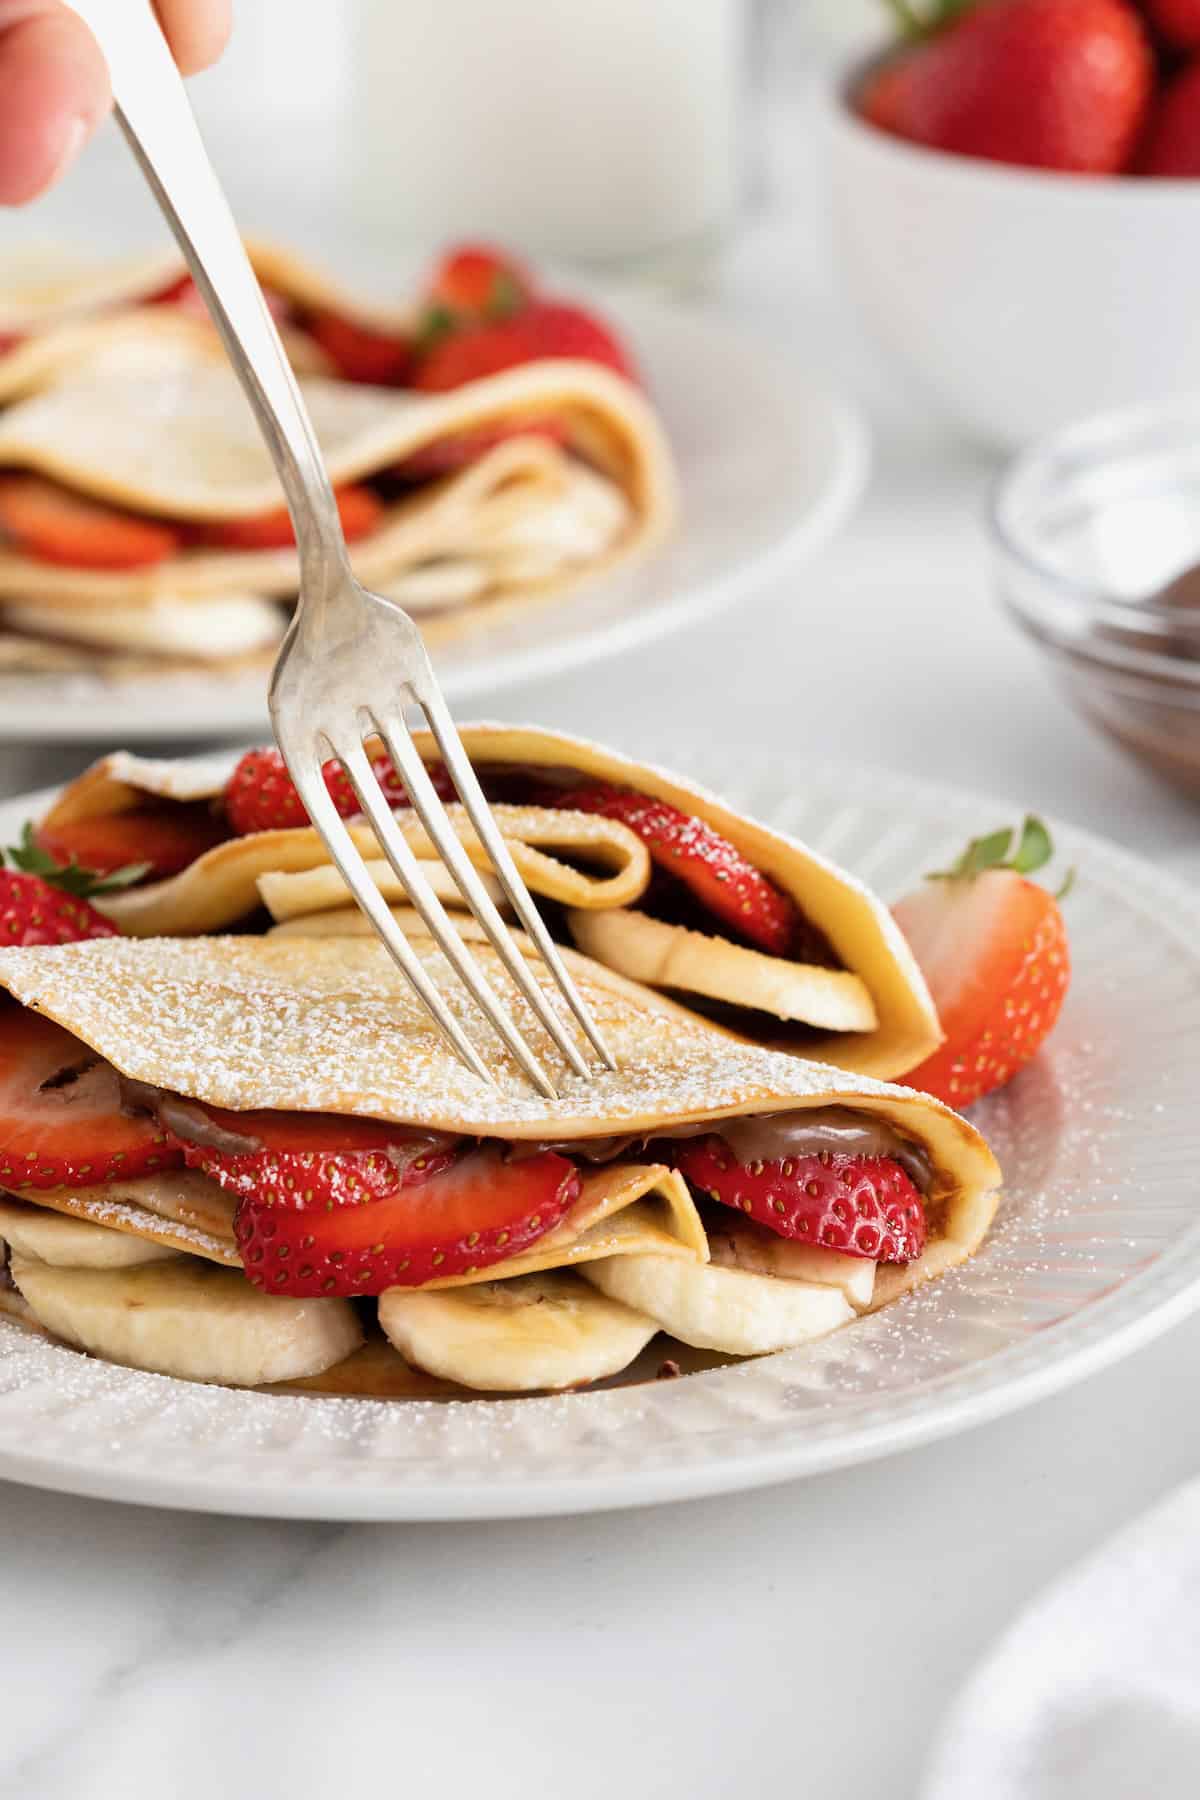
(74, 138)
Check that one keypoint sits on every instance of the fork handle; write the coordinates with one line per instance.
(153, 111)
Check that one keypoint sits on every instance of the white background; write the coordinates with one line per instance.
(802, 1640)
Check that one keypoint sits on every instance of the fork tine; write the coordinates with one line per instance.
(353, 870)
(464, 778)
(408, 870)
(429, 809)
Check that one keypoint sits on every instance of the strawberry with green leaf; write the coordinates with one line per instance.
(44, 902)
(992, 945)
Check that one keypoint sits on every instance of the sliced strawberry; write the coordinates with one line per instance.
(479, 1211)
(861, 1205)
(359, 509)
(261, 796)
(61, 1120)
(547, 328)
(380, 358)
(9, 341)
(477, 281)
(448, 454)
(993, 948)
(164, 836)
(732, 889)
(307, 1160)
(54, 524)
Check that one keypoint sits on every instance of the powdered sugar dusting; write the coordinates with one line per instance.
(329, 1025)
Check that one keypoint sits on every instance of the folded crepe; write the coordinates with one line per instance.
(844, 988)
(60, 307)
(230, 1046)
(162, 432)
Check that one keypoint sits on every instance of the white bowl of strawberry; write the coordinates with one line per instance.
(1016, 199)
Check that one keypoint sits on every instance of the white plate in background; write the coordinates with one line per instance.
(771, 464)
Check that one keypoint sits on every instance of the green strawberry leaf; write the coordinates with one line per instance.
(1035, 848)
(72, 878)
(995, 851)
(924, 18)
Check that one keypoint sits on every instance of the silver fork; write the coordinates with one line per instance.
(351, 660)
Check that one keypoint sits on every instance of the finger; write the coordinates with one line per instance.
(53, 93)
(197, 30)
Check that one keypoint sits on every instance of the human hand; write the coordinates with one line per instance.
(54, 87)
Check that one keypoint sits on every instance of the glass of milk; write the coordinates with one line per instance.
(598, 132)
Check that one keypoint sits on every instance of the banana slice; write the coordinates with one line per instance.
(533, 1331)
(189, 1318)
(691, 962)
(721, 1309)
(760, 1252)
(68, 1243)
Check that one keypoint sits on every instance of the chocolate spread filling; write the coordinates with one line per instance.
(765, 1137)
(758, 1137)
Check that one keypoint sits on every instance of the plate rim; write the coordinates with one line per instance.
(1148, 1303)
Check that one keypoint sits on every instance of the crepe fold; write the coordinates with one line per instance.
(329, 1026)
(159, 428)
(59, 309)
(592, 865)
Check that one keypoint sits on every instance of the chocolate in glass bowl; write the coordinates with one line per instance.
(1096, 546)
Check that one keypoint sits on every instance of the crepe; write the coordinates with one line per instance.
(592, 865)
(248, 1023)
(59, 308)
(160, 430)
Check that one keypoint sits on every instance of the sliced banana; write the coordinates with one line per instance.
(68, 1243)
(761, 1252)
(189, 1318)
(721, 1309)
(691, 962)
(532, 1332)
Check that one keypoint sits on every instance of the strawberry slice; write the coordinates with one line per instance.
(992, 946)
(164, 838)
(379, 358)
(732, 889)
(260, 795)
(478, 281)
(306, 1160)
(53, 524)
(359, 509)
(861, 1205)
(61, 1119)
(435, 1222)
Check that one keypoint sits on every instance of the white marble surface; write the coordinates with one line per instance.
(803, 1639)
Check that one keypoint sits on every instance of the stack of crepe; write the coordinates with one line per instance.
(136, 410)
(146, 1272)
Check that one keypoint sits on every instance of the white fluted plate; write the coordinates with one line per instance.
(1096, 1249)
(771, 463)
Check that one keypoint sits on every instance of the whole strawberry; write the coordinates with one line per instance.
(1051, 84)
(44, 902)
(1176, 21)
(1172, 143)
(992, 946)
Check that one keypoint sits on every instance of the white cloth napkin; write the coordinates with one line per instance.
(1094, 1693)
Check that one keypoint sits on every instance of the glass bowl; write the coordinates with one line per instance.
(1094, 531)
